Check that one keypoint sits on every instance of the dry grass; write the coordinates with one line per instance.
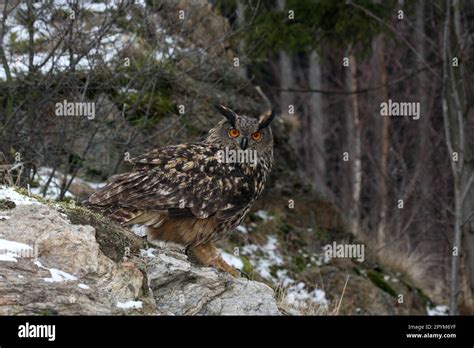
(13, 174)
(421, 269)
(306, 307)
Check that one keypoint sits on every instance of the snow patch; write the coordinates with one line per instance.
(139, 230)
(130, 304)
(268, 263)
(148, 252)
(270, 257)
(242, 229)
(83, 286)
(297, 294)
(232, 260)
(262, 214)
(10, 251)
(437, 310)
(10, 194)
(56, 274)
(59, 276)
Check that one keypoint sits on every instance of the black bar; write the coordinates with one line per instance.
(139, 330)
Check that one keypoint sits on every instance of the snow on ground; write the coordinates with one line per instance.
(232, 260)
(438, 310)
(96, 7)
(130, 304)
(10, 251)
(139, 230)
(83, 286)
(148, 252)
(59, 276)
(56, 274)
(262, 214)
(108, 48)
(271, 256)
(242, 229)
(297, 294)
(10, 194)
(54, 187)
(265, 257)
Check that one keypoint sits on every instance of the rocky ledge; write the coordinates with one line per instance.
(62, 259)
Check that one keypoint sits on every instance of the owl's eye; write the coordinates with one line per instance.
(233, 133)
(257, 136)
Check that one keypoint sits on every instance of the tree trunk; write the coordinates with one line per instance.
(385, 144)
(315, 132)
(241, 23)
(467, 171)
(468, 215)
(286, 74)
(454, 114)
(354, 144)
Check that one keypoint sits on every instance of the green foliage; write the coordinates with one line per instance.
(426, 300)
(322, 234)
(248, 268)
(299, 263)
(314, 22)
(274, 269)
(147, 109)
(48, 312)
(23, 46)
(226, 7)
(284, 227)
(377, 279)
(58, 14)
(149, 97)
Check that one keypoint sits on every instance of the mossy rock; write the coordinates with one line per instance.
(248, 268)
(112, 238)
(6, 204)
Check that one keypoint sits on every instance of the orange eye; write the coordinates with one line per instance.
(233, 133)
(257, 136)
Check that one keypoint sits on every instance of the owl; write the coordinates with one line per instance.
(195, 194)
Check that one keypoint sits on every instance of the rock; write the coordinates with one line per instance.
(204, 291)
(49, 265)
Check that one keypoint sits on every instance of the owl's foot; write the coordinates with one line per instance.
(207, 255)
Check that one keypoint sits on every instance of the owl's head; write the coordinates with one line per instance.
(243, 132)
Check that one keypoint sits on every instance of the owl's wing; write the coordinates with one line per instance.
(180, 181)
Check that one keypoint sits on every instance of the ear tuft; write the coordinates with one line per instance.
(227, 113)
(265, 119)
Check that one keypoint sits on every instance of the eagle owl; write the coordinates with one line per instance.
(194, 194)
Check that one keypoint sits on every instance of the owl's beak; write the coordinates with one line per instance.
(244, 143)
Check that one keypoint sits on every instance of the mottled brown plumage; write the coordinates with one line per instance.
(187, 194)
